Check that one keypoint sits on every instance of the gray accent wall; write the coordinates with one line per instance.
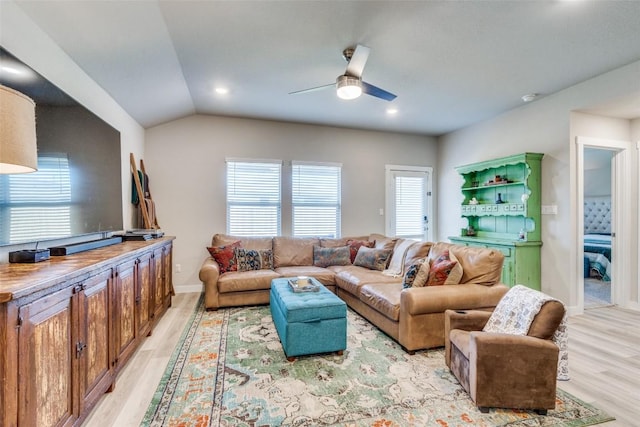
(185, 160)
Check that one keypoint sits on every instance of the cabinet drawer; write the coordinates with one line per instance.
(505, 251)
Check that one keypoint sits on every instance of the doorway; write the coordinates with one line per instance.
(408, 202)
(603, 260)
(598, 176)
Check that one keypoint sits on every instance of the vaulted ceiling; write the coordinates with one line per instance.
(450, 63)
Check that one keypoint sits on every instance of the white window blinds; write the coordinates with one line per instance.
(316, 198)
(409, 208)
(253, 197)
(37, 203)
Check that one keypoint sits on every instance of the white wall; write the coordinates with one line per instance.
(25, 40)
(543, 126)
(185, 160)
(635, 130)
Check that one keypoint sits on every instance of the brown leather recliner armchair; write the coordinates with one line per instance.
(502, 370)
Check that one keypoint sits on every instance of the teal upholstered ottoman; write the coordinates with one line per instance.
(308, 322)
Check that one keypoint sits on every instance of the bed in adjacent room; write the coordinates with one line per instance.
(597, 237)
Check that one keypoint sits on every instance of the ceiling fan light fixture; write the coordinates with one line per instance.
(348, 87)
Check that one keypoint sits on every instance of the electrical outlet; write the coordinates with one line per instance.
(178, 268)
(549, 209)
(381, 212)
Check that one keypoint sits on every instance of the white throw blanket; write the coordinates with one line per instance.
(396, 265)
(515, 313)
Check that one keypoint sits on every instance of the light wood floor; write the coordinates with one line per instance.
(604, 363)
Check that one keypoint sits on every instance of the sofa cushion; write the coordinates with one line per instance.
(324, 257)
(371, 258)
(340, 241)
(252, 259)
(225, 256)
(353, 278)
(481, 266)
(237, 281)
(292, 251)
(339, 268)
(382, 241)
(333, 243)
(323, 275)
(417, 252)
(246, 242)
(383, 297)
(354, 246)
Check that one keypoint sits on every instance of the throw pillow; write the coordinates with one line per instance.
(354, 245)
(423, 274)
(373, 259)
(410, 275)
(324, 257)
(439, 270)
(254, 259)
(456, 274)
(225, 256)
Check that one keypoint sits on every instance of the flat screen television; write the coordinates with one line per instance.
(77, 189)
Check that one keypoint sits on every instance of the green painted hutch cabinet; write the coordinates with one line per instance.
(501, 206)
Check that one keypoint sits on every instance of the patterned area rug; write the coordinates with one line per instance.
(229, 370)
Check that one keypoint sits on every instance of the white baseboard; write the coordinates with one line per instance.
(574, 310)
(632, 305)
(183, 289)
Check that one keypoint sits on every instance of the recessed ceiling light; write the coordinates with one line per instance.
(392, 111)
(529, 97)
(222, 90)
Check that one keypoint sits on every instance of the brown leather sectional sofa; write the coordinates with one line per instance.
(414, 317)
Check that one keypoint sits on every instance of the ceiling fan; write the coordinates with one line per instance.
(350, 85)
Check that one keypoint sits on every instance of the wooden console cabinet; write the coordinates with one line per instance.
(68, 325)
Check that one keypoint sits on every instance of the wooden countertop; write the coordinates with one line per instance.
(19, 280)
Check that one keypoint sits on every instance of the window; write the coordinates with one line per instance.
(39, 203)
(408, 207)
(315, 198)
(253, 197)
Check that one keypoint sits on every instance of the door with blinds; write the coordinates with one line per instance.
(408, 200)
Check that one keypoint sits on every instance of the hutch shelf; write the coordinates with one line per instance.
(501, 209)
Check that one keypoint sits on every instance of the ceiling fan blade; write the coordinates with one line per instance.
(313, 89)
(372, 90)
(358, 60)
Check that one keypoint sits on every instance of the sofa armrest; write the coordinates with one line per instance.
(467, 320)
(209, 274)
(511, 362)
